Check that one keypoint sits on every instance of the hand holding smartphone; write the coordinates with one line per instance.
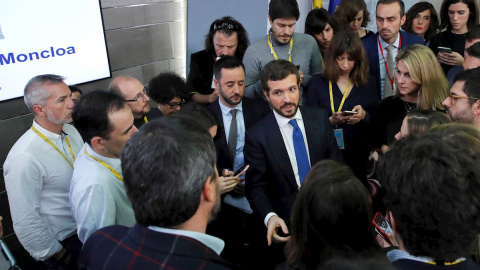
(444, 49)
(347, 113)
(382, 227)
(241, 170)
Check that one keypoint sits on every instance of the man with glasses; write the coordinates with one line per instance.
(135, 94)
(225, 37)
(462, 104)
(169, 91)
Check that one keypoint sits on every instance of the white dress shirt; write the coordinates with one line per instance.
(287, 134)
(212, 242)
(98, 198)
(383, 58)
(37, 179)
(240, 203)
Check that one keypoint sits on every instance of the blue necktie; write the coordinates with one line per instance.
(300, 151)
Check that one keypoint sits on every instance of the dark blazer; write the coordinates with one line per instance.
(201, 72)
(270, 181)
(253, 111)
(370, 45)
(119, 247)
(154, 113)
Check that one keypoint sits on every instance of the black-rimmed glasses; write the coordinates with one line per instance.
(139, 97)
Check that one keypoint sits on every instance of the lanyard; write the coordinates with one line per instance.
(392, 79)
(446, 263)
(275, 54)
(343, 99)
(145, 119)
(112, 170)
(54, 146)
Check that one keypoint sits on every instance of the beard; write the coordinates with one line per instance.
(229, 99)
(56, 121)
(464, 116)
(284, 113)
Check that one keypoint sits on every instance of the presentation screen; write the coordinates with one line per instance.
(63, 37)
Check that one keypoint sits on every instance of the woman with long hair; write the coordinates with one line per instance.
(353, 15)
(422, 20)
(457, 17)
(331, 218)
(419, 83)
(343, 86)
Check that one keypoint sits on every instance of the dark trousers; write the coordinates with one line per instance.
(73, 245)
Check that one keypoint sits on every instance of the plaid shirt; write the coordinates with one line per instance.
(118, 247)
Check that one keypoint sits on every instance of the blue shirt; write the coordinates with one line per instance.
(382, 58)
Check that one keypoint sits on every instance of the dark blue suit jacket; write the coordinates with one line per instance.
(253, 111)
(119, 247)
(371, 49)
(270, 181)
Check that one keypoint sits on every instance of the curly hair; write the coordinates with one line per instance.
(165, 86)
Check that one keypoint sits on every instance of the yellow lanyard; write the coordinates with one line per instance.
(145, 119)
(446, 263)
(112, 170)
(275, 54)
(55, 147)
(343, 99)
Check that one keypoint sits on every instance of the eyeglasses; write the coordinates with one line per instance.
(174, 105)
(139, 97)
(453, 98)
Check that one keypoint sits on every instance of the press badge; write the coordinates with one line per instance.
(339, 137)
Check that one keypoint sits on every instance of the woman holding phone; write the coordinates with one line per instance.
(457, 17)
(348, 95)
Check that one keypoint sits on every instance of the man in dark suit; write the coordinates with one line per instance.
(282, 147)
(173, 199)
(236, 214)
(386, 44)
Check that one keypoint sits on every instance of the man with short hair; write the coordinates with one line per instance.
(226, 36)
(38, 170)
(236, 114)
(282, 147)
(97, 194)
(383, 47)
(462, 104)
(173, 200)
(135, 94)
(432, 186)
(282, 43)
(169, 91)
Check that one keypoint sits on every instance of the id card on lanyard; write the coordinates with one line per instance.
(338, 132)
(392, 78)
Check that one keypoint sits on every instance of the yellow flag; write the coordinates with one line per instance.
(317, 3)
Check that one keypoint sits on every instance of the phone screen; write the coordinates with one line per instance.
(382, 227)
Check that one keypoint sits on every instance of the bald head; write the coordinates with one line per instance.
(132, 91)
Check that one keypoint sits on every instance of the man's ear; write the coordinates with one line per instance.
(208, 190)
(402, 20)
(217, 83)
(267, 95)
(38, 110)
(270, 20)
(476, 108)
(97, 142)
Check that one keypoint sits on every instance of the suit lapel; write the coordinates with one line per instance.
(277, 147)
(313, 132)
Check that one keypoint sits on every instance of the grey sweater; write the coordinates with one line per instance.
(305, 53)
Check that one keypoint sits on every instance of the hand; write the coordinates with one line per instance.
(239, 190)
(227, 181)
(275, 222)
(385, 244)
(302, 77)
(338, 118)
(360, 115)
(452, 59)
(213, 96)
(385, 148)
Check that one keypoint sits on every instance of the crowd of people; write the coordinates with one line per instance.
(262, 157)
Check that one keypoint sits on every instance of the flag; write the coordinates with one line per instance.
(317, 3)
(332, 6)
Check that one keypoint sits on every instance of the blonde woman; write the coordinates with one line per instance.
(419, 83)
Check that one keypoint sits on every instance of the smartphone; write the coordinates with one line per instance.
(444, 49)
(239, 170)
(382, 227)
(349, 112)
(7, 261)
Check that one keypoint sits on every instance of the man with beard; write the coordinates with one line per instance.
(282, 43)
(37, 172)
(383, 47)
(282, 147)
(462, 104)
(235, 114)
(135, 94)
(173, 200)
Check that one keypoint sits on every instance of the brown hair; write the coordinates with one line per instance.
(346, 42)
(414, 10)
(347, 10)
